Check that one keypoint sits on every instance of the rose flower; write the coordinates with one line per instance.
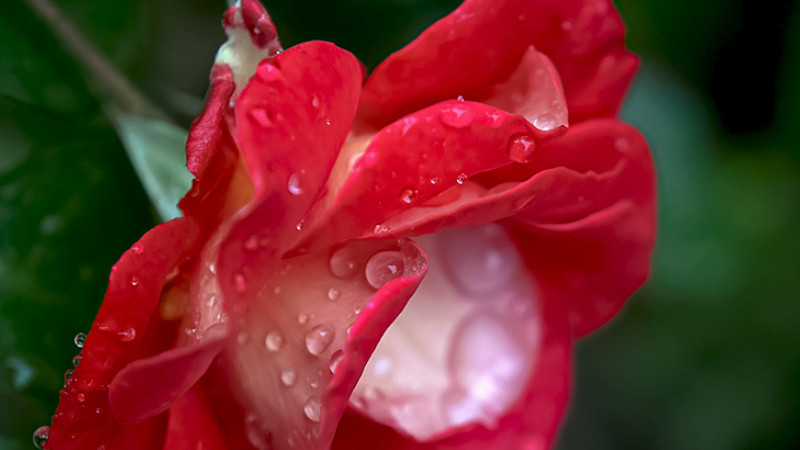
(402, 262)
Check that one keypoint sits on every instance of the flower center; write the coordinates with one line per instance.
(464, 348)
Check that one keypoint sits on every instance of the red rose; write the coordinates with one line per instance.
(247, 323)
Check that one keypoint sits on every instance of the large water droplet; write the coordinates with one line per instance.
(274, 341)
(546, 122)
(312, 409)
(294, 184)
(288, 377)
(40, 436)
(319, 339)
(521, 148)
(408, 195)
(343, 263)
(384, 267)
(79, 339)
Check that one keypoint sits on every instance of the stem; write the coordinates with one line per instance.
(117, 93)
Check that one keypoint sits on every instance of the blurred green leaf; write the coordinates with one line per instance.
(156, 149)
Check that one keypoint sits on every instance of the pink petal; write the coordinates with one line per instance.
(193, 424)
(207, 128)
(309, 334)
(481, 43)
(532, 421)
(120, 335)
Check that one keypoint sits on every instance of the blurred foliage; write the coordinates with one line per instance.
(706, 356)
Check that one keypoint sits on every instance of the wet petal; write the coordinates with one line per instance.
(412, 161)
(120, 335)
(481, 43)
(301, 349)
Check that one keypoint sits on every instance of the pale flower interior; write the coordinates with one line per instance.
(465, 346)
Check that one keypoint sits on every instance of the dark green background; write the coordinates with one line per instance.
(706, 356)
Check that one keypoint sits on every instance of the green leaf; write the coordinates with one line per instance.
(156, 150)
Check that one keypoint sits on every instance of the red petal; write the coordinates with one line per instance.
(481, 43)
(531, 423)
(207, 128)
(593, 233)
(84, 418)
(414, 159)
(280, 339)
(291, 121)
(192, 424)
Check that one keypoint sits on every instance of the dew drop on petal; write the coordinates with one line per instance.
(458, 116)
(333, 294)
(312, 409)
(343, 263)
(319, 338)
(408, 195)
(521, 148)
(302, 318)
(251, 243)
(294, 185)
(81, 397)
(40, 436)
(384, 267)
(76, 360)
(134, 281)
(240, 284)
(461, 178)
(336, 359)
(274, 341)
(546, 122)
(137, 249)
(288, 377)
(79, 339)
(126, 335)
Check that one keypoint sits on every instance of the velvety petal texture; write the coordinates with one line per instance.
(338, 226)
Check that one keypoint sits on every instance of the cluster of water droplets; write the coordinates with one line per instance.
(464, 348)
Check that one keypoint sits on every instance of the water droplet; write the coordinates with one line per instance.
(76, 360)
(521, 148)
(408, 195)
(137, 249)
(126, 335)
(546, 122)
(269, 72)
(40, 436)
(68, 375)
(319, 339)
(458, 116)
(333, 294)
(273, 341)
(294, 184)
(315, 101)
(302, 318)
(460, 98)
(212, 300)
(79, 339)
(251, 243)
(81, 397)
(336, 359)
(622, 144)
(134, 281)
(299, 225)
(262, 117)
(343, 263)
(461, 178)
(240, 284)
(312, 409)
(288, 377)
(435, 180)
(328, 122)
(384, 267)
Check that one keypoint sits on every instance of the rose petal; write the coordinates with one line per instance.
(207, 128)
(531, 423)
(594, 238)
(193, 426)
(482, 41)
(417, 158)
(307, 338)
(118, 336)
